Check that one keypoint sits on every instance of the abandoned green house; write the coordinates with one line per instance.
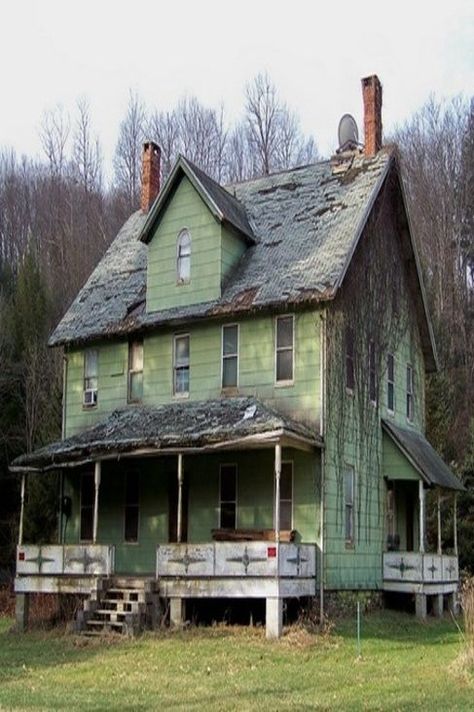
(243, 408)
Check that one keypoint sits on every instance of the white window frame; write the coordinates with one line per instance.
(85, 386)
(182, 233)
(181, 394)
(135, 473)
(227, 356)
(132, 371)
(350, 541)
(410, 393)
(221, 466)
(391, 382)
(292, 464)
(287, 382)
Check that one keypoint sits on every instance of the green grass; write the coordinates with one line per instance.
(405, 665)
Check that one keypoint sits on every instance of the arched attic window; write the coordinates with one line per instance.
(183, 257)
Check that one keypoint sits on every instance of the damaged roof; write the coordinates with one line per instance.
(304, 223)
(422, 455)
(183, 425)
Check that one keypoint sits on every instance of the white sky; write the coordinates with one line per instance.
(53, 51)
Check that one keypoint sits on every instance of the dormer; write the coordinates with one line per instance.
(196, 232)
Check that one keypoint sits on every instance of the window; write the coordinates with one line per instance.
(135, 371)
(183, 257)
(230, 356)
(350, 370)
(91, 372)
(181, 366)
(391, 383)
(132, 493)
(372, 373)
(409, 392)
(286, 496)
(284, 349)
(87, 506)
(349, 503)
(228, 497)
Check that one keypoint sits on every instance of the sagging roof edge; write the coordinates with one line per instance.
(257, 439)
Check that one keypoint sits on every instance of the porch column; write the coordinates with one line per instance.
(277, 490)
(439, 523)
(455, 524)
(22, 509)
(421, 492)
(97, 472)
(179, 525)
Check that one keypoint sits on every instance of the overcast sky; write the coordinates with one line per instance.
(53, 51)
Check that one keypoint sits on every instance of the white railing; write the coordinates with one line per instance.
(236, 559)
(420, 568)
(69, 559)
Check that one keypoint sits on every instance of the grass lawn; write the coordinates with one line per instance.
(405, 665)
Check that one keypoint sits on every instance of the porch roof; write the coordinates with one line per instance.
(176, 427)
(422, 456)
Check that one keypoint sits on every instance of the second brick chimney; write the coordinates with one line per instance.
(151, 167)
(372, 96)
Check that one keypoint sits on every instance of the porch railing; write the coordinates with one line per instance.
(419, 567)
(69, 559)
(236, 559)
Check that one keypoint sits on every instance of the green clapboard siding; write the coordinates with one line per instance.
(255, 500)
(395, 464)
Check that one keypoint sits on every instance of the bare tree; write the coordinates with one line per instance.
(87, 155)
(128, 151)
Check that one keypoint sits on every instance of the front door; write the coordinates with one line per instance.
(173, 508)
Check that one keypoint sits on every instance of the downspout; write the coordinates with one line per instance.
(322, 432)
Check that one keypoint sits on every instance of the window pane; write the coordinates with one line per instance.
(286, 481)
(90, 363)
(184, 268)
(229, 372)
(390, 398)
(228, 515)
(390, 367)
(131, 488)
(285, 331)
(136, 356)
(182, 350)
(136, 386)
(228, 483)
(284, 365)
(285, 515)
(349, 486)
(182, 380)
(131, 523)
(349, 528)
(230, 336)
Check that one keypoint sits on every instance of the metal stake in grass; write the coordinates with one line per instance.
(358, 630)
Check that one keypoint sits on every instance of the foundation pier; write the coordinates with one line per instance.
(274, 617)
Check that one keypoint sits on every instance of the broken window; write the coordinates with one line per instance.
(284, 349)
(91, 373)
(181, 365)
(230, 356)
(349, 477)
(228, 497)
(87, 506)
(135, 371)
(183, 257)
(410, 393)
(391, 383)
(286, 496)
(132, 493)
(350, 370)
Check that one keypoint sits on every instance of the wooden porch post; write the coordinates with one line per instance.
(22, 508)
(439, 523)
(97, 473)
(179, 526)
(277, 490)
(421, 493)
(455, 524)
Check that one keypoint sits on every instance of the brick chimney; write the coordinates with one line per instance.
(151, 166)
(372, 96)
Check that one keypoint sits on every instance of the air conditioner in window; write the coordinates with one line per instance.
(90, 397)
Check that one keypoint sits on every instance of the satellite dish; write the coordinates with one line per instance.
(347, 133)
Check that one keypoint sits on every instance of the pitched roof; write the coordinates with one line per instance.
(185, 425)
(305, 223)
(422, 455)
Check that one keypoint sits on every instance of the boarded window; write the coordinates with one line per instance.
(87, 506)
(181, 365)
(91, 377)
(230, 356)
(183, 257)
(349, 503)
(228, 496)
(135, 371)
(410, 394)
(284, 348)
(391, 383)
(372, 373)
(286, 496)
(132, 506)
(350, 366)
